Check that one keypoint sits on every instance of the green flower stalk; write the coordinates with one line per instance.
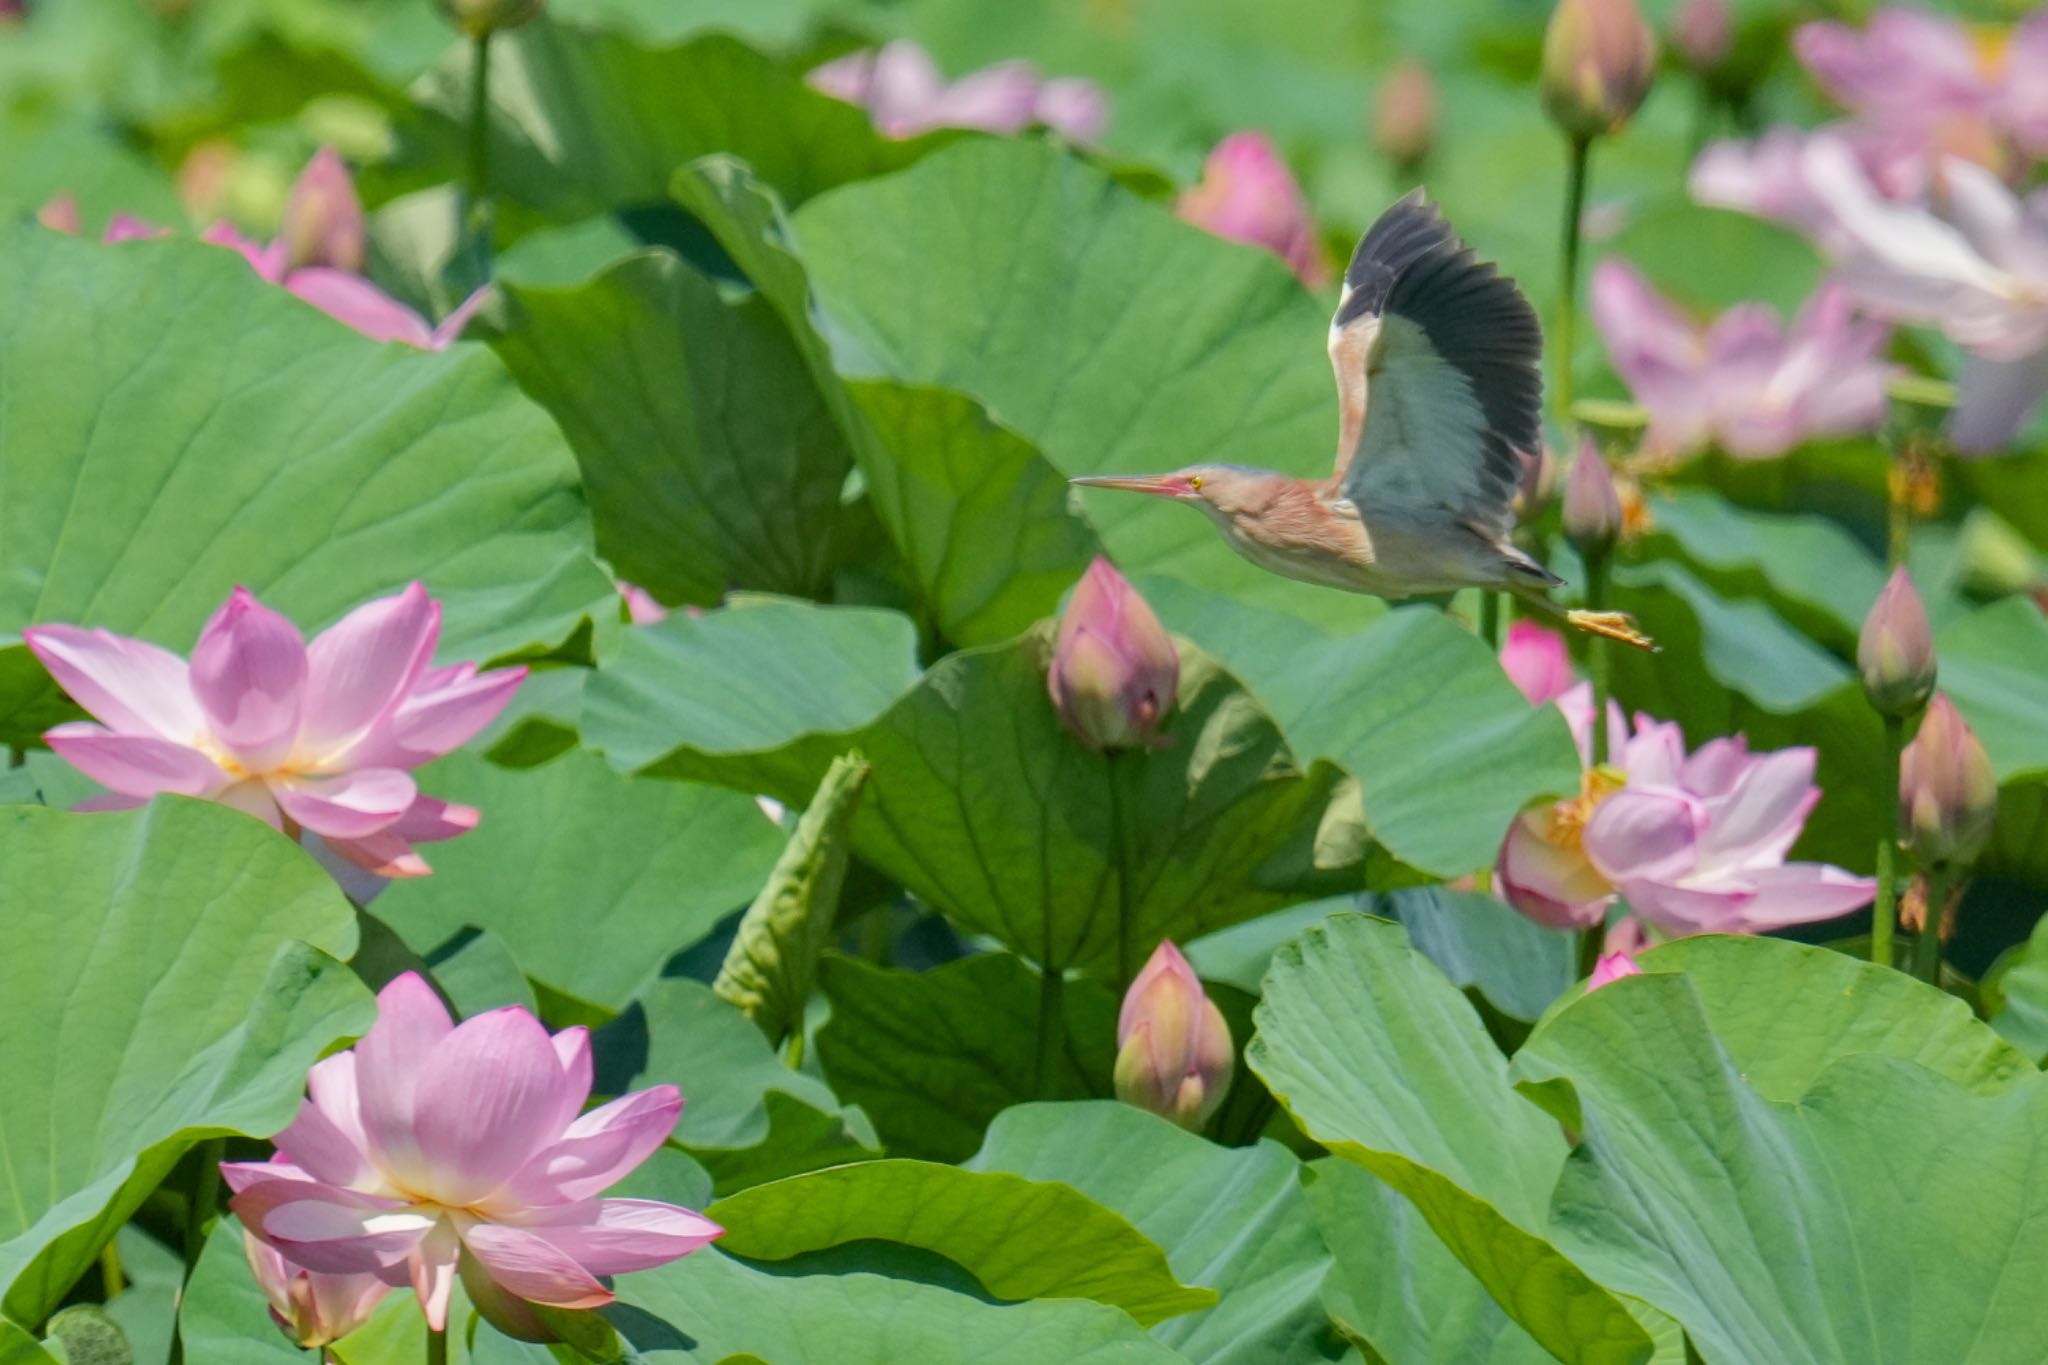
(1895, 655)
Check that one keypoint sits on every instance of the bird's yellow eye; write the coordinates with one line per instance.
(1196, 483)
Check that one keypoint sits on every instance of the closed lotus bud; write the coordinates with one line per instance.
(1703, 31)
(1598, 58)
(323, 219)
(479, 17)
(1114, 669)
(1592, 506)
(1404, 114)
(1948, 795)
(1896, 650)
(312, 1309)
(1174, 1055)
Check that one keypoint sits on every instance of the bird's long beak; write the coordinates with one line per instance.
(1162, 485)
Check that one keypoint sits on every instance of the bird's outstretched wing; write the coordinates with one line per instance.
(1452, 355)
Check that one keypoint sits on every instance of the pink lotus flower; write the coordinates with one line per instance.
(320, 737)
(1247, 194)
(312, 1309)
(432, 1149)
(1610, 968)
(1114, 674)
(1932, 79)
(903, 90)
(641, 607)
(1768, 178)
(1744, 382)
(1174, 1055)
(319, 252)
(1978, 271)
(1695, 843)
(1537, 662)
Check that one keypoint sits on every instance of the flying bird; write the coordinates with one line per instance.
(1439, 400)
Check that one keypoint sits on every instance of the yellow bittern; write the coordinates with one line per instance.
(1422, 496)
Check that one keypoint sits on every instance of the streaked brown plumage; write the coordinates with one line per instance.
(1421, 496)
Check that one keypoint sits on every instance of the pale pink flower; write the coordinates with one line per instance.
(1768, 178)
(1978, 271)
(1174, 1054)
(1929, 77)
(319, 737)
(1247, 194)
(1537, 662)
(1696, 843)
(905, 94)
(1114, 673)
(1744, 383)
(432, 1149)
(312, 1309)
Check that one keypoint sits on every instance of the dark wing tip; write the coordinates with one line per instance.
(1411, 263)
(1411, 229)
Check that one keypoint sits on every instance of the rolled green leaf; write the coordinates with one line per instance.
(773, 960)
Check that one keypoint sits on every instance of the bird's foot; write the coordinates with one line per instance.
(1615, 625)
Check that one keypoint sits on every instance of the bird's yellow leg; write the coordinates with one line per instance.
(1615, 625)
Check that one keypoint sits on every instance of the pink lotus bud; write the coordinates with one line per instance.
(61, 214)
(1948, 794)
(1592, 507)
(323, 219)
(1598, 59)
(1404, 114)
(311, 1309)
(1248, 195)
(1703, 31)
(1174, 1055)
(1896, 650)
(1114, 669)
(1537, 662)
(479, 17)
(1612, 967)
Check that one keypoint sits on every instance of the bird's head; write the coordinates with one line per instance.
(1223, 490)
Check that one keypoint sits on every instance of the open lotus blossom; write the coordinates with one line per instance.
(903, 90)
(1248, 195)
(1745, 383)
(1935, 80)
(1767, 178)
(433, 1149)
(319, 737)
(1695, 842)
(312, 1309)
(1978, 271)
(318, 255)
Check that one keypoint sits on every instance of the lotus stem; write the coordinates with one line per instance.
(1884, 912)
(1591, 940)
(199, 1202)
(437, 1347)
(1597, 657)
(1568, 292)
(1489, 619)
(112, 1281)
(1052, 984)
(1120, 851)
(478, 215)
